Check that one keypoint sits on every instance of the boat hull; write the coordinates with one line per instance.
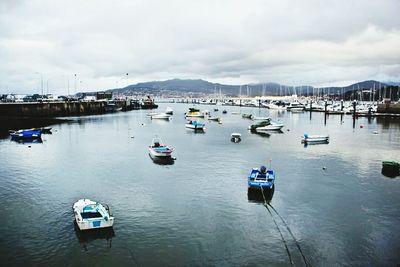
(271, 127)
(195, 127)
(154, 153)
(315, 140)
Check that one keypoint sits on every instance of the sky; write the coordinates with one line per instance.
(297, 42)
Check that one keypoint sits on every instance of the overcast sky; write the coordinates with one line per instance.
(320, 43)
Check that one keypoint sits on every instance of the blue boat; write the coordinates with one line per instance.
(261, 181)
(28, 134)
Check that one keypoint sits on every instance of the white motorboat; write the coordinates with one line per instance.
(195, 125)
(92, 215)
(314, 138)
(169, 111)
(273, 126)
(213, 118)
(296, 107)
(194, 112)
(158, 149)
(236, 137)
(255, 118)
(161, 116)
(151, 114)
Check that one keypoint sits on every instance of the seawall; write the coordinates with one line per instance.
(389, 108)
(54, 109)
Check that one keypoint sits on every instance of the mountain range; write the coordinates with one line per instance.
(204, 87)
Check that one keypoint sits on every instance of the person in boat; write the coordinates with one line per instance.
(262, 172)
(156, 144)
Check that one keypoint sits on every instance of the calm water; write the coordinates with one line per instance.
(196, 211)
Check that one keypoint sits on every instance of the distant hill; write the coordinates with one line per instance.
(204, 87)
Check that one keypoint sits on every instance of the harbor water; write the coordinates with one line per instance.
(195, 210)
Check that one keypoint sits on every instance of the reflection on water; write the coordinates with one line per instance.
(262, 134)
(88, 236)
(260, 196)
(196, 211)
(162, 160)
(27, 140)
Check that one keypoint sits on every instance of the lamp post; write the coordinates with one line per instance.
(41, 81)
(75, 83)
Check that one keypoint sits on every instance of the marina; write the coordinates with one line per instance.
(334, 188)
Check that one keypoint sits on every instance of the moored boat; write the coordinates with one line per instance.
(258, 118)
(390, 168)
(260, 123)
(247, 116)
(161, 116)
(273, 126)
(306, 138)
(169, 111)
(26, 134)
(236, 137)
(213, 118)
(159, 149)
(261, 181)
(195, 125)
(194, 112)
(92, 215)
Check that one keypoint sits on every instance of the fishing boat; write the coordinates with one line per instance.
(169, 111)
(262, 181)
(273, 126)
(161, 116)
(390, 168)
(159, 149)
(195, 125)
(26, 134)
(194, 112)
(306, 138)
(92, 215)
(236, 137)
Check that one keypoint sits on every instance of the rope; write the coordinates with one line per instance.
(277, 227)
(287, 227)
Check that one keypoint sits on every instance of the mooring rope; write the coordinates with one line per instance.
(306, 262)
(277, 227)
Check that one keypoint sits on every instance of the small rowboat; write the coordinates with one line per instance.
(26, 134)
(158, 149)
(92, 215)
(315, 139)
(195, 125)
(236, 137)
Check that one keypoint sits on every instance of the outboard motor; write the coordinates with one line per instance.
(263, 169)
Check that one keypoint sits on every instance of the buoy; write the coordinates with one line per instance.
(132, 137)
(29, 146)
(361, 126)
(288, 130)
(324, 168)
(375, 132)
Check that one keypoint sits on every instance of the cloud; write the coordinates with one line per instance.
(292, 42)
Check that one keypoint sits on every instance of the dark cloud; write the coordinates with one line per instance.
(292, 42)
